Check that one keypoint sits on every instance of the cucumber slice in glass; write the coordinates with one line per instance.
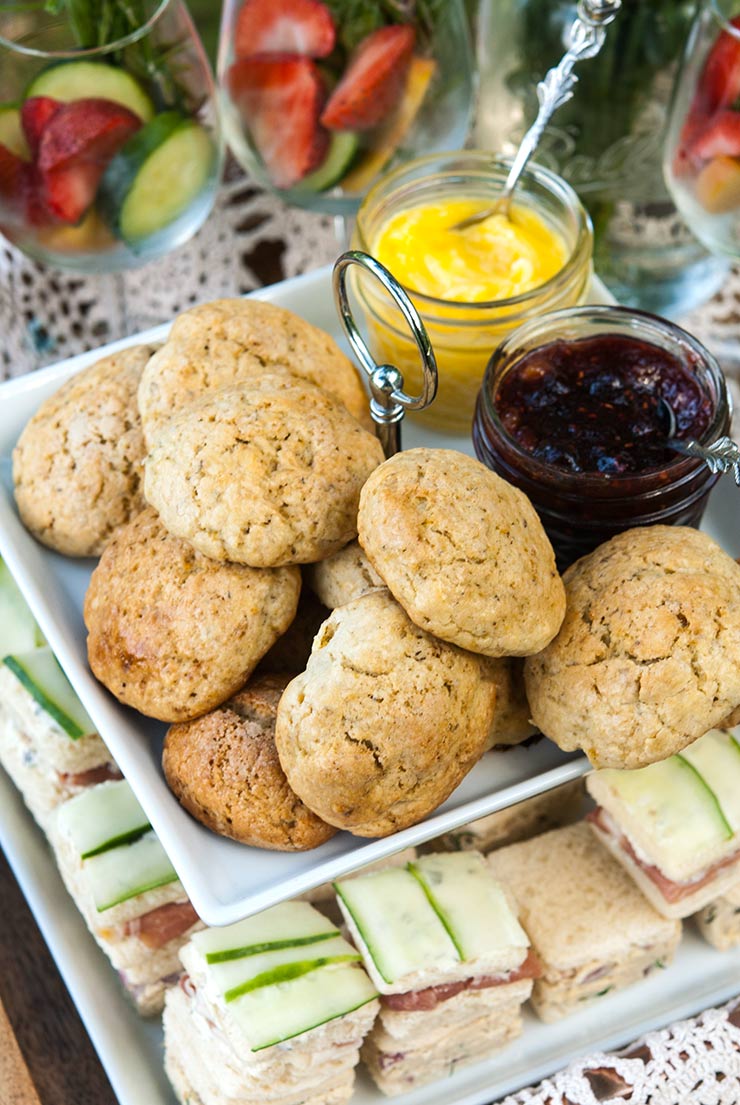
(11, 132)
(81, 80)
(342, 152)
(39, 673)
(155, 177)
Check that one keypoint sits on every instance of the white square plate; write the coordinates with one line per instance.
(226, 880)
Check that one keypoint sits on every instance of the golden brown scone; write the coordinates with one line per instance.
(174, 634)
(511, 724)
(77, 467)
(290, 652)
(225, 342)
(385, 721)
(646, 660)
(265, 474)
(462, 551)
(224, 769)
(344, 576)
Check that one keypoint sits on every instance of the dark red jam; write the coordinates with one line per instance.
(593, 405)
(579, 425)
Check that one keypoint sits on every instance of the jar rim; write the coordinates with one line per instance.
(644, 322)
(721, 18)
(83, 53)
(546, 178)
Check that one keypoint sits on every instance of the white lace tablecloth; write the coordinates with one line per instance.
(252, 239)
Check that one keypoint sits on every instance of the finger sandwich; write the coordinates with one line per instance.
(719, 921)
(125, 887)
(271, 1011)
(591, 928)
(675, 825)
(48, 744)
(443, 946)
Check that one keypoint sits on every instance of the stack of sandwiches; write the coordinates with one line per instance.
(675, 825)
(591, 928)
(442, 945)
(271, 1011)
(125, 887)
(48, 744)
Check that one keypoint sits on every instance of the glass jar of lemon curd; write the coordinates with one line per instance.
(472, 287)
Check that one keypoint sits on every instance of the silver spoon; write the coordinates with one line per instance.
(585, 39)
(723, 455)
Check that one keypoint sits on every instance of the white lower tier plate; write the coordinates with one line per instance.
(130, 1049)
(225, 880)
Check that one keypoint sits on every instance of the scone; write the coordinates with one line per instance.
(224, 769)
(511, 724)
(646, 660)
(77, 467)
(385, 721)
(462, 551)
(174, 634)
(225, 342)
(344, 576)
(265, 474)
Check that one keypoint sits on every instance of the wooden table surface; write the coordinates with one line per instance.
(53, 1045)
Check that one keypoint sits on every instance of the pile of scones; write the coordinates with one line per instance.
(336, 639)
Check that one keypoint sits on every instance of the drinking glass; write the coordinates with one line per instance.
(702, 153)
(318, 103)
(110, 146)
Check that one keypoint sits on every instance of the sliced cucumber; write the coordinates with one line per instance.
(469, 902)
(11, 131)
(39, 672)
(399, 927)
(715, 758)
(101, 818)
(81, 80)
(18, 629)
(155, 177)
(342, 152)
(289, 924)
(269, 1015)
(230, 976)
(125, 872)
(665, 808)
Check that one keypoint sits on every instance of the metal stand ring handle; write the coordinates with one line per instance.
(389, 401)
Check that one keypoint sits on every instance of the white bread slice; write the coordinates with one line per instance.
(719, 921)
(725, 879)
(577, 904)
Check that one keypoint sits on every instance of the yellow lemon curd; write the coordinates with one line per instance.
(470, 273)
(496, 259)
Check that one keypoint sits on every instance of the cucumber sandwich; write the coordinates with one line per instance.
(283, 975)
(48, 744)
(125, 887)
(442, 944)
(675, 825)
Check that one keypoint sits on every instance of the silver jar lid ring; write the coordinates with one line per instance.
(388, 402)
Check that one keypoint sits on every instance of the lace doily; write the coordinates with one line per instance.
(692, 1062)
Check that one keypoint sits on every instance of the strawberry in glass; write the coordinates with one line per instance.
(321, 96)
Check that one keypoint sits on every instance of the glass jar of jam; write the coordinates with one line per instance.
(472, 287)
(574, 411)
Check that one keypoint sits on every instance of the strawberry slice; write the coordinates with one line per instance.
(374, 80)
(719, 84)
(20, 202)
(35, 114)
(280, 97)
(76, 145)
(301, 27)
(720, 138)
(11, 181)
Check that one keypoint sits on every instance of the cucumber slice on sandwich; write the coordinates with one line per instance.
(101, 818)
(129, 870)
(39, 673)
(715, 759)
(82, 80)
(155, 177)
(241, 976)
(271, 1014)
(287, 925)
(18, 629)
